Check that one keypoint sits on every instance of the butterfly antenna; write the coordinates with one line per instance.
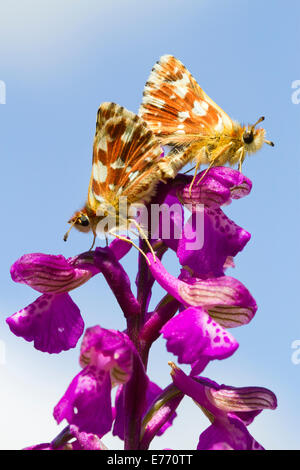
(269, 142)
(261, 119)
(67, 233)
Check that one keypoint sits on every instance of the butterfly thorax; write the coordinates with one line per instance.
(227, 146)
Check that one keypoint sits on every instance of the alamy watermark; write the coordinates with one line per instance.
(296, 94)
(295, 358)
(2, 92)
(166, 222)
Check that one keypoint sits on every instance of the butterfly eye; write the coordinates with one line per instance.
(248, 137)
(83, 220)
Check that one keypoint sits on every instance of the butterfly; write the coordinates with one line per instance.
(125, 167)
(181, 114)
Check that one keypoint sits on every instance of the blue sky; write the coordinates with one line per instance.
(59, 61)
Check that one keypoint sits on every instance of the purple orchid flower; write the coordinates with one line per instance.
(53, 320)
(193, 316)
(108, 358)
(194, 335)
(230, 410)
(220, 238)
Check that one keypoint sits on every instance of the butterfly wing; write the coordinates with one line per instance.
(125, 158)
(175, 108)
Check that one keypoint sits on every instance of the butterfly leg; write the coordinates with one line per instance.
(128, 240)
(241, 159)
(94, 240)
(144, 236)
(207, 169)
(202, 158)
(195, 174)
(215, 160)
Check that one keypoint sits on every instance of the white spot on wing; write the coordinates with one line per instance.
(200, 109)
(148, 99)
(183, 115)
(117, 164)
(220, 126)
(165, 58)
(99, 172)
(133, 175)
(181, 86)
(102, 144)
(112, 187)
(99, 198)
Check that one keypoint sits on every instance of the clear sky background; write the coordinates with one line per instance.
(60, 59)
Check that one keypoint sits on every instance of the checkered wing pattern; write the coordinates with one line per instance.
(125, 158)
(176, 109)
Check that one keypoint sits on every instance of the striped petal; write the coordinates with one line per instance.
(242, 399)
(56, 274)
(229, 409)
(51, 273)
(225, 299)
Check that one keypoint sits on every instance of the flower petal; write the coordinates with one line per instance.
(53, 322)
(50, 273)
(216, 188)
(225, 298)
(242, 399)
(108, 350)
(229, 409)
(206, 244)
(86, 441)
(232, 436)
(55, 273)
(193, 336)
(87, 402)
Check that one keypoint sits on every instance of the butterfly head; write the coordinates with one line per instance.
(253, 139)
(81, 221)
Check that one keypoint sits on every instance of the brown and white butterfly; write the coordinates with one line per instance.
(180, 114)
(126, 164)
